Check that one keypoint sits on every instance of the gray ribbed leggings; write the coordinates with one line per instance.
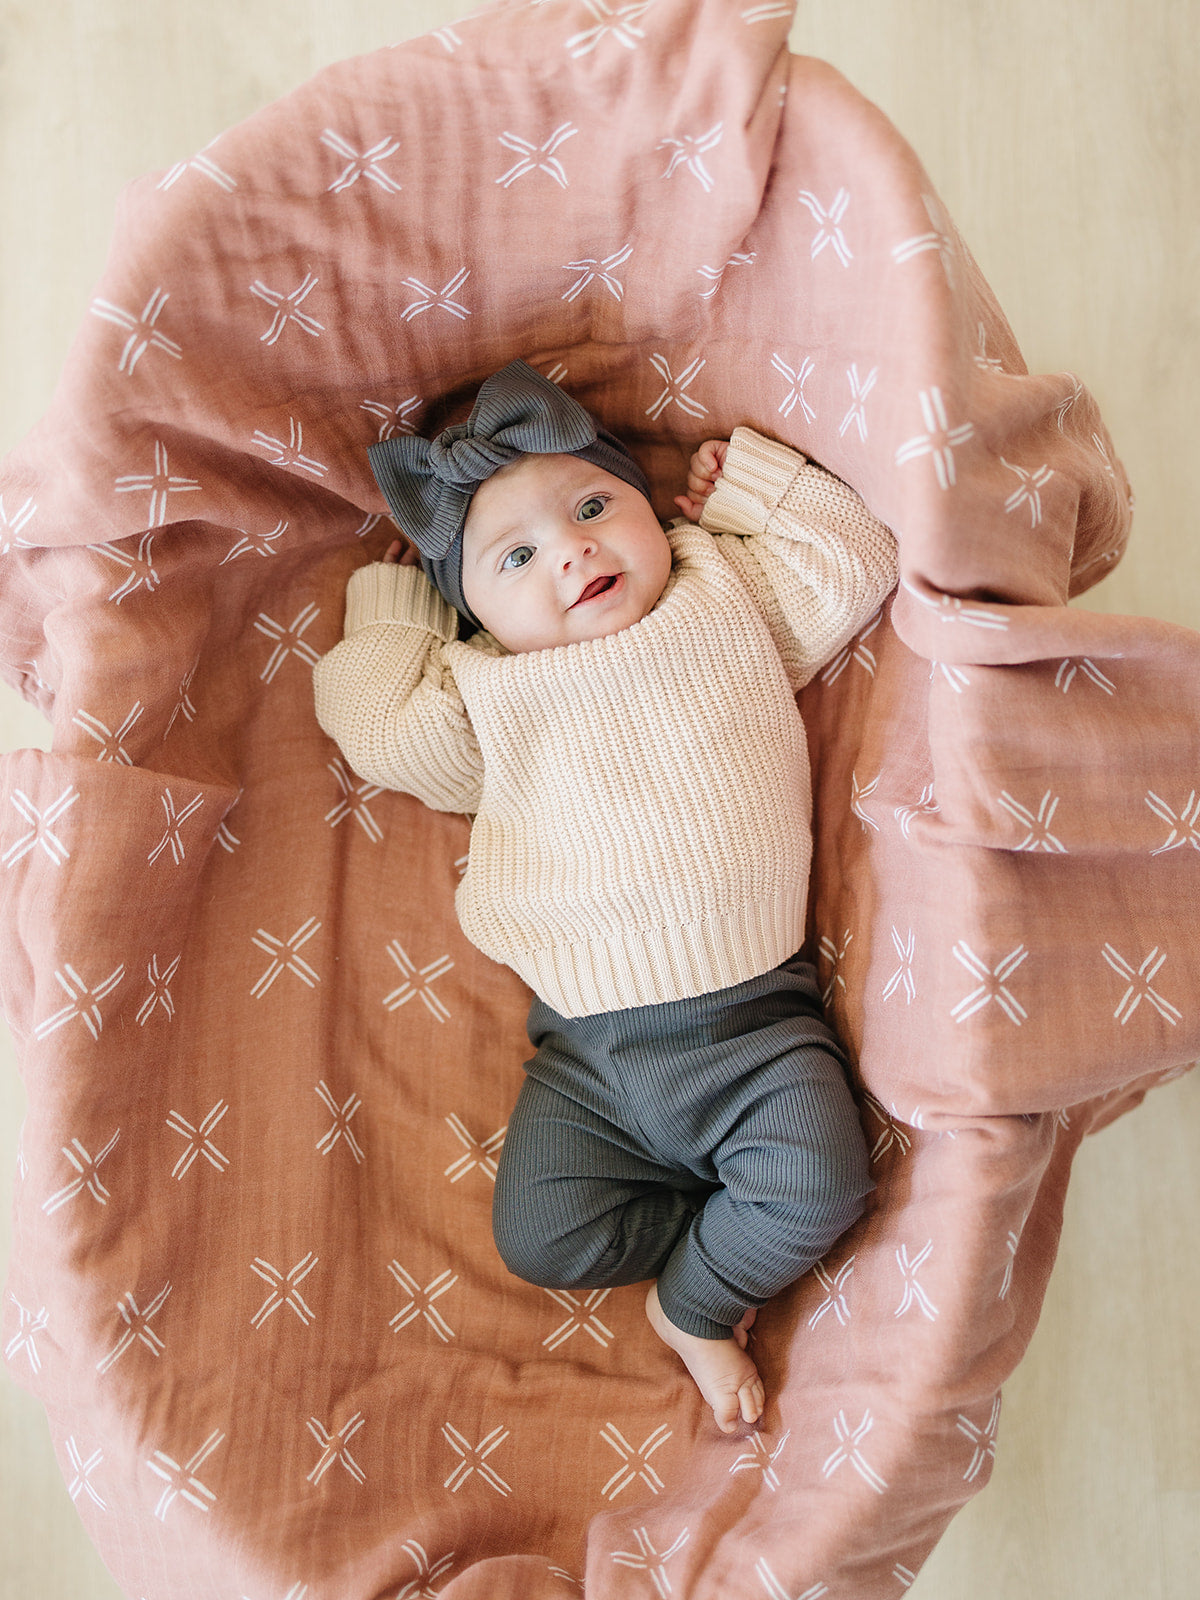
(711, 1143)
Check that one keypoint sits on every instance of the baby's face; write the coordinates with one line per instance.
(556, 551)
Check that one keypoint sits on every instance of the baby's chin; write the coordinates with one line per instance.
(575, 630)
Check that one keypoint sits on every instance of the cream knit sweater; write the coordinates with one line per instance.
(642, 802)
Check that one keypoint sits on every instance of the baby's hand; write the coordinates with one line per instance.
(703, 471)
(400, 553)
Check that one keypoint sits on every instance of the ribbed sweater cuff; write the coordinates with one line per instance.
(388, 592)
(757, 474)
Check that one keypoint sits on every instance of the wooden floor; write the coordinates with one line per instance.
(1065, 139)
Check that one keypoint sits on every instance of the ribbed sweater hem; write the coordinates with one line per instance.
(649, 966)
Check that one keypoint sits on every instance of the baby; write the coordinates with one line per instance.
(614, 704)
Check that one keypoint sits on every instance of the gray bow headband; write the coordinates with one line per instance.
(428, 484)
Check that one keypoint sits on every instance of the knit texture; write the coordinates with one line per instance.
(642, 802)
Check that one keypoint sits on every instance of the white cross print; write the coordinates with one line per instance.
(835, 957)
(635, 1463)
(564, 1576)
(1029, 492)
(713, 276)
(926, 806)
(993, 984)
(914, 1294)
(939, 440)
(285, 957)
(474, 1459)
(1139, 985)
(137, 1327)
(287, 309)
(159, 484)
(620, 24)
(88, 1013)
(112, 745)
(361, 165)
(292, 453)
(1102, 452)
(421, 1587)
(835, 1292)
(646, 1558)
(903, 975)
(982, 359)
(771, 1583)
(893, 1135)
(262, 544)
(860, 388)
(903, 1576)
(172, 838)
(1068, 403)
(199, 1140)
(1038, 836)
(1012, 1243)
(442, 299)
(983, 1438)
(284, 1289)
(81, 1482)
(676, 387)
(849, 1440)
(354, 801)
(796, 380)
(581, 1316)
(761, 1459)
(140, 567)
(688, 151)
(857, 650)
(536, 158)
(1185, 828)
(769, 11)
(160, 994)
(289, 641)
(41, 824)
(481, 1155)
(1067, 669)
(334, 1448)
(936, 238)
(417, 982)
(11, 525)
(958, 680)
(589, 268)
(950, 608)
(181, 1481)
(393, 419)
(29, 1325)
(859, 793)
(341, 1122)
(421, 1301)
(829, 225)
(142, 330)
(202, 164)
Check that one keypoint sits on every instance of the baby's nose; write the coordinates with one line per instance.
(576, 547)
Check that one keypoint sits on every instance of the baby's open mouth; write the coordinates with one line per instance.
(598, 586)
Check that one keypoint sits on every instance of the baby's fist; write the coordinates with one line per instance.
(704, 469)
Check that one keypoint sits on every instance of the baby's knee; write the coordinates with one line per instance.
(536, 1252)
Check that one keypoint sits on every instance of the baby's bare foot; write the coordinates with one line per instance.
(724, 1373)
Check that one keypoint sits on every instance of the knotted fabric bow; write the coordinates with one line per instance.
(428, 484)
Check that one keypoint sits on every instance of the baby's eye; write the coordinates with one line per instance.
(592, 507)
(517, 557)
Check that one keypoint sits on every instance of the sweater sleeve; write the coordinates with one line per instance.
(388, 697)
(816, 560)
